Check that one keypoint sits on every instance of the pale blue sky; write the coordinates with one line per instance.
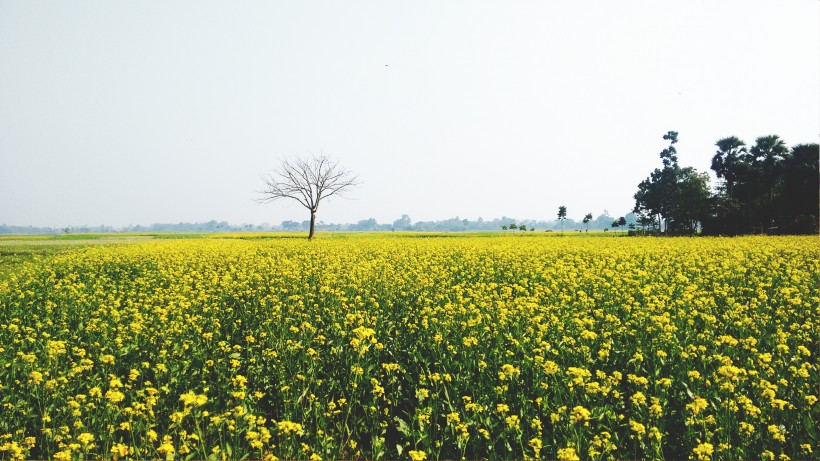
(115, 112)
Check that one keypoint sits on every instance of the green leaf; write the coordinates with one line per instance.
(402, 426)
(304, 393)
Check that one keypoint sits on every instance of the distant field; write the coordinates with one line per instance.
(409, 346)
(15, 250)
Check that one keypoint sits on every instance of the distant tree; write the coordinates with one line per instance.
(727, 160)
(766, 157)
(366, 225)
(622, 221)
(731, 165)
(674, 196)
(655, 193)
(504, 227)
(798, 202)
(670, 154)
(602, 221)
(402, 223)
(587, 219)
(307, 181)
(290, 225)
(692, 200)
(562, 216)
(646, 222)
(513, 226)
(767, 188)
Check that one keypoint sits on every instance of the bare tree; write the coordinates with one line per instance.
(308, 181)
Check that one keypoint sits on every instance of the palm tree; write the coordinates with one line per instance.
(766, 156)
(768, 151)
(726, 160)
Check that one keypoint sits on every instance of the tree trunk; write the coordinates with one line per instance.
(312, 223)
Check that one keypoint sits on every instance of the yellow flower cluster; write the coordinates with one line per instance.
(414, 346)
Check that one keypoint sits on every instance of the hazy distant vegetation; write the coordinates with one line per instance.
(404, 223)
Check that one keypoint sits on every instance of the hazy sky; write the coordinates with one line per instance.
(134, 112)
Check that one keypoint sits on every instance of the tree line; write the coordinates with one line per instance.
(404, 223)
(765, 188)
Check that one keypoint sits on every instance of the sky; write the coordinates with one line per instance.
(131, 112)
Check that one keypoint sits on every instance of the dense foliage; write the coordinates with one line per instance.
(766, 189)
(386, 347)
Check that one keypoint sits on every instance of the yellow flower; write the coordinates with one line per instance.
(239, 381)
(580, 415)
(417, 455)
(536, 425)
(697, 405)
(190, 399)
(513, 422)
(288, 427)
(536, 445)
(703, 452)
(35, 377)
(114, 396)
(777, 432)
(568, 454)
(85, 438)
(167, 447)
(508, 372)
(120, 450)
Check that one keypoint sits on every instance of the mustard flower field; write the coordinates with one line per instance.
(414, 347)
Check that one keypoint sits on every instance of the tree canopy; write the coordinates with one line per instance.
(767, 188)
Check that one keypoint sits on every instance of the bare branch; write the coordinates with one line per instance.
(307, 181)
